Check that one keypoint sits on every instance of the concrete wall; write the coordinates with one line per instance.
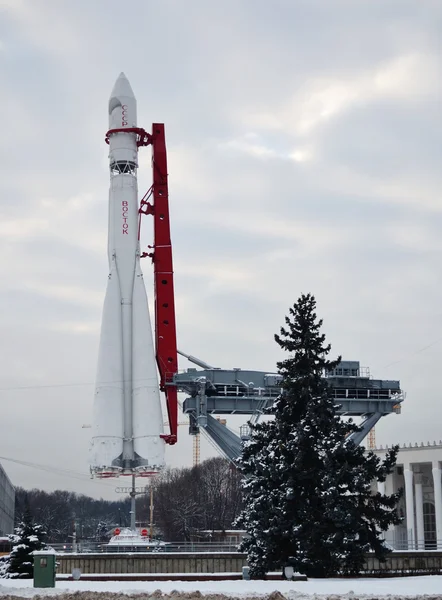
(7, 504)
(223, 562)
(405, 562)
(201, 562)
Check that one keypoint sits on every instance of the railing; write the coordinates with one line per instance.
(86, 547)
(402, 541)
(396, 541)
(363, 393)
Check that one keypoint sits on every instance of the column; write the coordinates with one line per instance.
(409, 506)
(420, 537)
(391, 534)
(381, 490)
(437, 473)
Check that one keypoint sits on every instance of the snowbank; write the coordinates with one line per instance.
(333, 589)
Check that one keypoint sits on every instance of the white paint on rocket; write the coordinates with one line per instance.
(128, 419)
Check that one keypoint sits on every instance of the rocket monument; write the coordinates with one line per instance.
(128, 421)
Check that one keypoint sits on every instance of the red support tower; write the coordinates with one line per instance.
(165, 327)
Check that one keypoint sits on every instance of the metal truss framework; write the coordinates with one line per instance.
(215, 391)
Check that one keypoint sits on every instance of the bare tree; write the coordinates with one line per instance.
(60, 511)
(206, 497)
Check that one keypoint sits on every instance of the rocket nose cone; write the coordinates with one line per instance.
(122, 88)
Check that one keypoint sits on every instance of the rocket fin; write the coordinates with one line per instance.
(147, 413)
(107, 442)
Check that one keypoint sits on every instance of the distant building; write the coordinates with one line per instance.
(7, 504)
(418, 471)
(232, 537)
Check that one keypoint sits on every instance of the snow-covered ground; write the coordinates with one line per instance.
(297, 590)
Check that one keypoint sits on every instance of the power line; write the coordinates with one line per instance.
(54, 470)
(65, 385)
(413, 353)
(44, 386)
(122, 381)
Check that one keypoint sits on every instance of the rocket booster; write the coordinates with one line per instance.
(128, 419)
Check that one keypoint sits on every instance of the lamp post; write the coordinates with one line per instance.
(151, 511)
(133, 491)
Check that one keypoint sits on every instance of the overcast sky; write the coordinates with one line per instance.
(305, 152)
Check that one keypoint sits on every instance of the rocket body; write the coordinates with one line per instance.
(128, 419)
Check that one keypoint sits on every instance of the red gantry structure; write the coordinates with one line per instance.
(161, 255)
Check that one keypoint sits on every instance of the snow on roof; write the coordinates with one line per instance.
(128, 537)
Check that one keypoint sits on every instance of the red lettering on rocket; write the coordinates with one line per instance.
(124, 206)
(123, 115)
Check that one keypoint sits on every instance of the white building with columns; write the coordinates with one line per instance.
(418, 471)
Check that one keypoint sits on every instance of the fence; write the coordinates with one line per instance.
(397, 563)
(197, 562)
(401, 539)
(92, 547)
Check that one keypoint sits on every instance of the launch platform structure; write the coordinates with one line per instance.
(214, 391)
(127, 399)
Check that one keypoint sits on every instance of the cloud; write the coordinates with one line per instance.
(249, 144)
(303, 155)
(319, 99)
(406, 77)
(22, 228)
(252, 145)
(76, 327)
(71, 293)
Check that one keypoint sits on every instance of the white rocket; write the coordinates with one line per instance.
(128, 419)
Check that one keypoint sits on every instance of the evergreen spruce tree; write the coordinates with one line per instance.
(28, 538)
(308, 492)
(4, 564)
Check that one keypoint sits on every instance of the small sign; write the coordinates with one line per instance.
(144, 532)
(117, 531)
(130, 490)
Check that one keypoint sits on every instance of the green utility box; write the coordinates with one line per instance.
(44, 569)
